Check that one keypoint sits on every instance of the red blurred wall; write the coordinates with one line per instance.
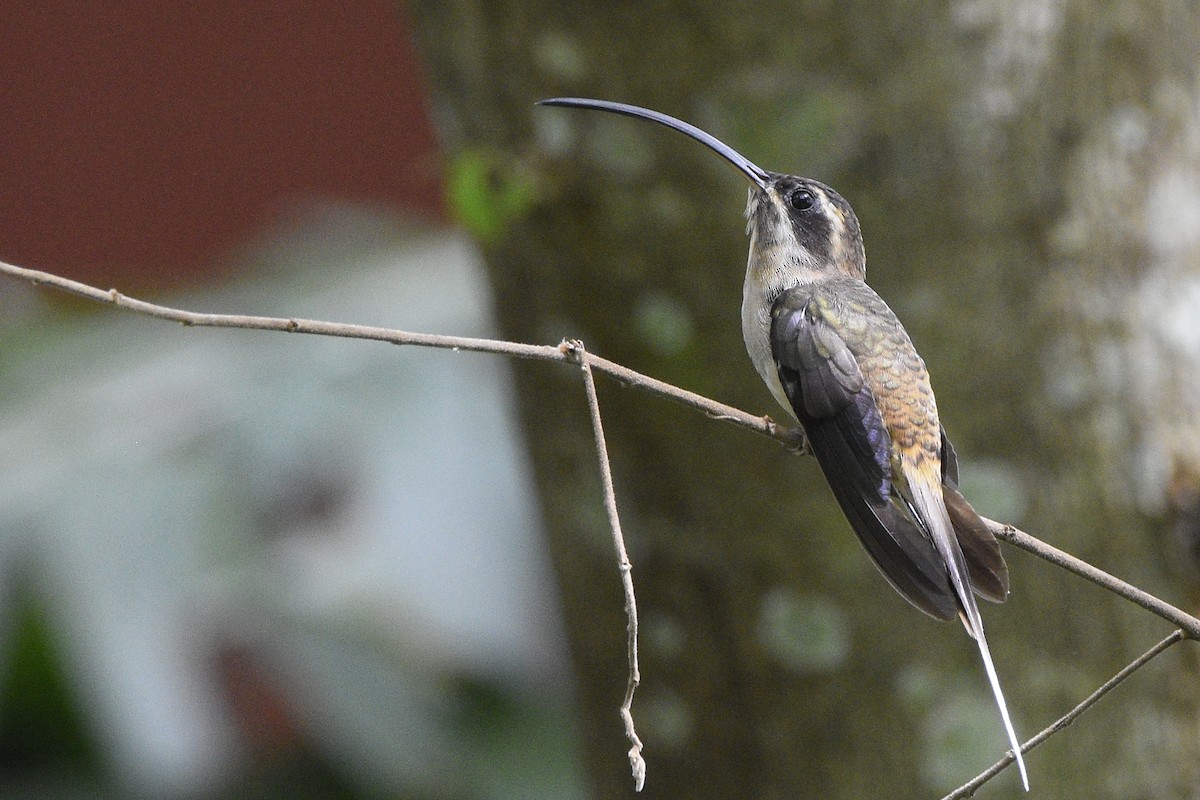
(140, 142)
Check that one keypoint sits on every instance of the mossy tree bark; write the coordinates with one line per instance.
(1009, 164)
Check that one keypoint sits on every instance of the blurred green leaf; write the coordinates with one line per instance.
(41, 728)
(486, 191)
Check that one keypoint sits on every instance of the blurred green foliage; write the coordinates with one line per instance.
(487, 191)
(41, 730)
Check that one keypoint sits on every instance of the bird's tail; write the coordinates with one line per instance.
(990, 668)
(927, 496)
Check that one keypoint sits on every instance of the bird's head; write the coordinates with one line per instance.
(797, 226)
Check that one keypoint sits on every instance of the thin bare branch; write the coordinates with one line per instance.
(790, 436)
(1030, 544)
(968, 789)
(575, 350)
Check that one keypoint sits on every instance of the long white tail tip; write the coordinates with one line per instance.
(1008, 726)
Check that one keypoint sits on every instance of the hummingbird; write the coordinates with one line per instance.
(839, 361)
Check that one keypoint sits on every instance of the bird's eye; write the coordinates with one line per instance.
(802, 199)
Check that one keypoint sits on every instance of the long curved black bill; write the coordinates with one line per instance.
(748, 167)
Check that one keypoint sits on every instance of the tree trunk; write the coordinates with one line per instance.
(1026, 179)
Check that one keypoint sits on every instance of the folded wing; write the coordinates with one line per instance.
(841, 418)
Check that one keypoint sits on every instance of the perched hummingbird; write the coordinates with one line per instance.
(839, 361)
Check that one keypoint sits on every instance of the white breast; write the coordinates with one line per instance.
(776, 263)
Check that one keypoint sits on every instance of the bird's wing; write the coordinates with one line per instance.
(985, 563)
(830, 397)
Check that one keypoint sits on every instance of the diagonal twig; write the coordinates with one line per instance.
(1030, 544)
(968, 789)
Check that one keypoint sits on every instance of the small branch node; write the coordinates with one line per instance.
(573, 350)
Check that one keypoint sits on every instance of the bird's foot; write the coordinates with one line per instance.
(790, 436)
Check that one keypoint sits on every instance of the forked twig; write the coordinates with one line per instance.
(574, 352)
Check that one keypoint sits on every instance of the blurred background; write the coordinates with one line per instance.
(238, 564)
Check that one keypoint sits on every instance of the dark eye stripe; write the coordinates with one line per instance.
(812, 228)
